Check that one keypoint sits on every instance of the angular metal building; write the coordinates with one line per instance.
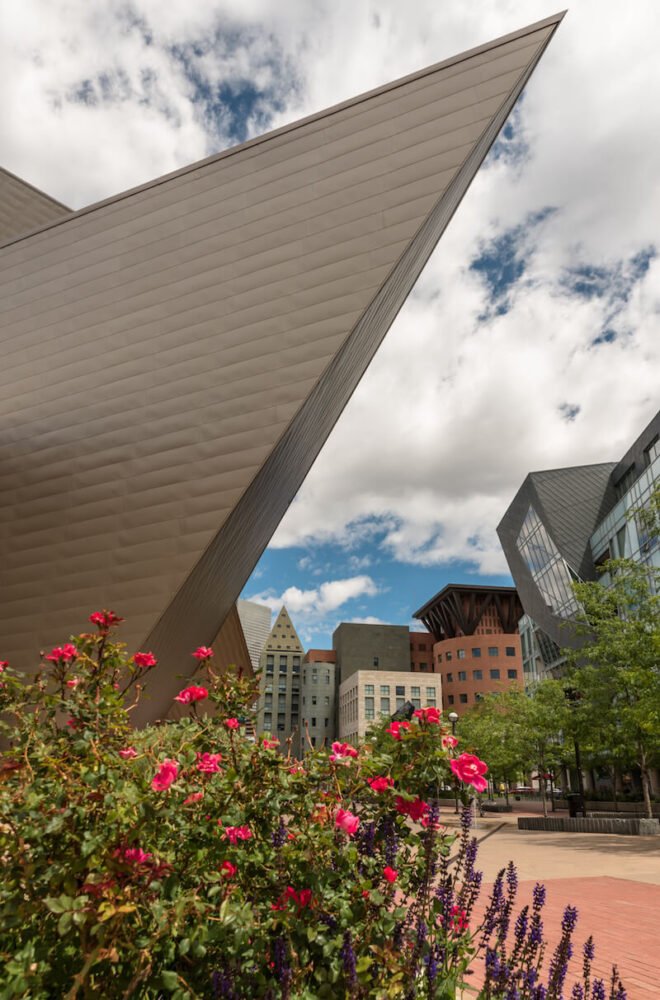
(174, 357)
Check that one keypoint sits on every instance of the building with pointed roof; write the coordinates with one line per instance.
(278, 709)
(175, 356)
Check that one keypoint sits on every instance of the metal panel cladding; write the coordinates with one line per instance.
(175, 357)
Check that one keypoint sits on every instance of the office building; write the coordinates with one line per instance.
(367, 695)
(256, 623)
(278, 709)
(175, 356)
(477, 647)
(561, 526)
(318, 726)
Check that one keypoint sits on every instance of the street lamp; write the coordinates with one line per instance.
(453, 718)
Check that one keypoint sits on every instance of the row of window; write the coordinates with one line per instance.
(462, 698)
(400, 699)
(478, 675)
(284, 659)
(476, 653)
(281, 721)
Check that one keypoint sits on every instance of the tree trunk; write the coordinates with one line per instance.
(506, 788)
(542, 786)
(646, 783)
(615, 775)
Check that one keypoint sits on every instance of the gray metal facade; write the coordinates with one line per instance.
(361, 646)
(175, 357)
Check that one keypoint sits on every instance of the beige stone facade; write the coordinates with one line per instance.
(369, 694)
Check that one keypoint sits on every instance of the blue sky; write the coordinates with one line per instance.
(532, 339)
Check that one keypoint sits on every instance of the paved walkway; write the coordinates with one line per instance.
(613, 881)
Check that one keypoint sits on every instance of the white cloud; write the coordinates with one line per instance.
(319, 601)
(455, 409)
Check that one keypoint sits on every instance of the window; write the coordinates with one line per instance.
(375, 661)
(368, 689)
(463, 699)
(400, 702)
(269, 670)
(314, 721)
(477, 675)
(270, 660)
(314, 741)
(460, 653)
(268, 720)
(450, 678)
(430, 697)
(424, 667)
(296, 661)
(400, 690)
(283, 662)
(450, 699)
(492, 650)
(269, 701)
(510, 650)
(313, 699)
(281, 686)
(462, 675)
(294, 719)
(385, 690)
(476, 652)
(512, 674)
(315, 676)
(281, 699)
(327, 723)
(326, 699)
(414, 697)
(494, 674)
(327, 678)
(385, 706)
(478, 697)
(368, 708)
(439, 657)
(448, 655)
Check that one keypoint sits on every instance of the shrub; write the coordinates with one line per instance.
(186, 860)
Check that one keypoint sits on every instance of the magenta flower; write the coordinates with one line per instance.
(449, 742)
(347, 821)
(203, 653)
(395, 728)
(195, 797)
(3, 665)
(63, 654)
(390, 874)
(208, 763)
(342, 753)
(128, 754)
(136, 856)
(416, 808)
(470, 770)
(380, 784)
(145, 660)
(191, 694)
(105, 619)
(429, 715)
(228, 869)
(271, 745)
(73, 683)
(236, 833)
(165, 776)
(232, 723)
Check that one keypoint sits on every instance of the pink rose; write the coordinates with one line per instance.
(390, 874)
(431, 716)
(236, 833)
(470, 770)
(416, 808)
(63, 654)
(105, 619)
(192, 694)
(232, 723)
(128, 754)
(136, 856)
(208, 763)
(195, 797)
(3, 665)
(347, 821)
(449, 742)
(166, 775)
(380, 784)
(342, 753)
(273, 745)
(228, 869)
(203, 653)
(145, 660)
(73, 683)
(395, 728)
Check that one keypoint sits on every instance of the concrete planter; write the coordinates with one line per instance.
(630, 826)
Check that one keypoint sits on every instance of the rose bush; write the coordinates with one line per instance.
(187, 860)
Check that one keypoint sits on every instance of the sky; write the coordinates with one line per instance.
(532, 339)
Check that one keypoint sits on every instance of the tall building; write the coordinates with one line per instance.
(477, 648)
(256, 622)
(207, 329)
(319, 690)
(561, 526)
(278, 709)
(360, 646)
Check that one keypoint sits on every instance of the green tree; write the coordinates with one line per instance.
(617, 670)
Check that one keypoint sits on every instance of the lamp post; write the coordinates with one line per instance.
(573, 698)
(453, 718)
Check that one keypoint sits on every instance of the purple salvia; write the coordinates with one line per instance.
(431, 969)
(538, 896)
(282, 968)
(279, 836)
(577, 992)
(348, 959)
(598, 990)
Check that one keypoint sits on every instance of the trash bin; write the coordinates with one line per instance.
(574, 805)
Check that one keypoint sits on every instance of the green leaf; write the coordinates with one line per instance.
(170, 980)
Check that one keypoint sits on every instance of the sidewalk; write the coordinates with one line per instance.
(613, 881)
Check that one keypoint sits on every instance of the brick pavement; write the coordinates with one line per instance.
(613, 881)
